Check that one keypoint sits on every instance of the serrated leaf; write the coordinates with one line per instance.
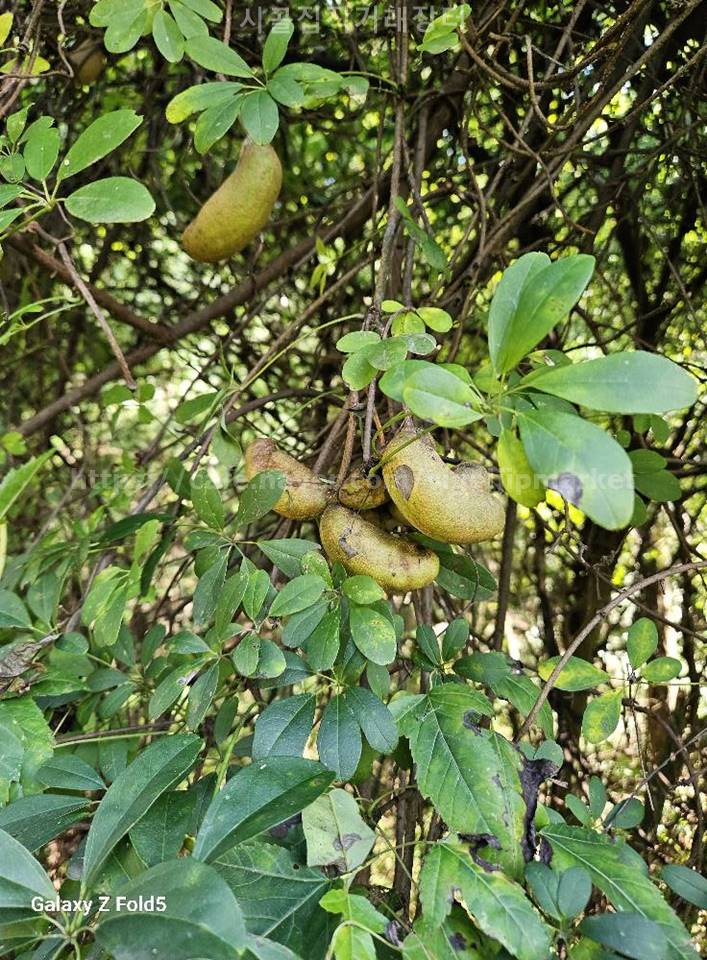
(470, 774)
(498, 905)
(627, 888)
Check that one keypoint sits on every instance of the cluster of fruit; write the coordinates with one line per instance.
(362, 521)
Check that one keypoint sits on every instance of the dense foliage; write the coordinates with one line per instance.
(218, 739)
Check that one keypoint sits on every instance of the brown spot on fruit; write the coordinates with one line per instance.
(404, 480)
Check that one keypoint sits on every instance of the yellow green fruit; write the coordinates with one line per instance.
(398, 565)
(88, 61)
(304, 497)
(519, 481)
(360, 492)
(237, 212)
(452, 505)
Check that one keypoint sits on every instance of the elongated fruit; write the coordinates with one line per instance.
(398, 565)
(451, 505)
(237, 212)
(305, 496)
(361, 492)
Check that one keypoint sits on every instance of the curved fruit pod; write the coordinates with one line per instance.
(451, 505)
(237, 212)
(398, 565)
(304, 497)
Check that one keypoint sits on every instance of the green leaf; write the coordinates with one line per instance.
(260, 496)
(247, 654)
(642, 641)
(22, 878)
(205, 9)
(287, 554)
(519, 481)
(374, 718)
(362, 589)
(577, 674)
(190, 23)
(207, 501)
(544, 883)
(339, 739)
(581, 462)
(104, 135)
(214, 55)
(661, 670)
(438, 395)
(321, 647)
(167, 36)
(455, 939)
(357, 372)
(158, 768)
(5, 26)
(200, 97)
(463, 577)
(215, 123)
(208, 925)
(41, 152)
(271, 660)
(13, 613)
(520, 690)
(373, 634)
(286, 91)
(601, 716)
(428, 644)
(16, 481)
(112, 200)
(435, 318)
(470, 774)
(256, 592)
(687, 883)
(301, 625)
(336, 834)
(36, 820)
(573, 891)
(208, 591)
(297, 595)
(455, 638)
(159, 834)
(636, 382)
(69, 772)
(230, 599)
(260, 116)
(499, 906)
(546, 297)
(201, 694)
(275, 46)
(504, 305)
(629, 933)
(386, 353)
(256, 798)
(353, 342)
(626, 814)
(279, 896)
(283, 728)
(597, 796)
(661, 485)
